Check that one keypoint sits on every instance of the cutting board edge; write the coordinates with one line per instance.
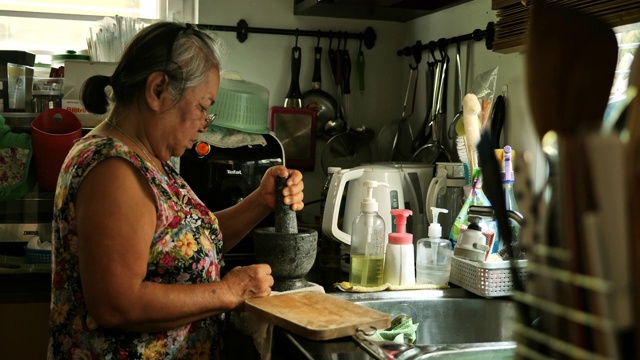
(377, 319)
(319, 334)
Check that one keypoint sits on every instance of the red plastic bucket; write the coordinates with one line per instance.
(53, 133)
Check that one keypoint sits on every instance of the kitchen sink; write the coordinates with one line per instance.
(453, 323)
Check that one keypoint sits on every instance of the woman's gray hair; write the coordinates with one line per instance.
(184, 53)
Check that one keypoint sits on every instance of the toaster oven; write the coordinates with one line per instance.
(225, 176)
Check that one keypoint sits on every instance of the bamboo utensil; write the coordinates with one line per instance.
(632, 162)
(568, 92)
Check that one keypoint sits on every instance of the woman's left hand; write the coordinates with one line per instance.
(293, 194)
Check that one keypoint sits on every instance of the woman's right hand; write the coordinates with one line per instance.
(246, 282)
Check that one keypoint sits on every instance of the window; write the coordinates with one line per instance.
(47, 27)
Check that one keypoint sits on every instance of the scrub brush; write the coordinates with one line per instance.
(470, 116)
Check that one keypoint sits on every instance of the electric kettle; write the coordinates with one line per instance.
(446, 191)
(388, 198)
(417, 178)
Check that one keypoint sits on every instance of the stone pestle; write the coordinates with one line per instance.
(285, 222)
(289, 250)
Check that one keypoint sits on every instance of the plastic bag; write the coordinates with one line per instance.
(484, 87)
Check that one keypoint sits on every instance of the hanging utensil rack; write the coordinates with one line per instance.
(478, 34)
(242, 30)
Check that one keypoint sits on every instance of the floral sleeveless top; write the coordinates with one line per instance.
(186, 249)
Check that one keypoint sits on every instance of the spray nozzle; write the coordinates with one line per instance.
(401, 219)
(369, 203)
(435, 229)
(401, 236)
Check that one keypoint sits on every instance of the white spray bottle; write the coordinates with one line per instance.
(367, 241)
(433, 258)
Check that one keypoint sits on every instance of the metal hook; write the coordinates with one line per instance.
(297, 33)
(417, 54)
(432, 49)
(319, 36)
(360, 45)
(330, 38)
(344, 45)
(442, 46)
(370, 333)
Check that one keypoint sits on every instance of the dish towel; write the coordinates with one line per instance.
(347, 287)
(262, 331)
(229, 138)
(401, 331)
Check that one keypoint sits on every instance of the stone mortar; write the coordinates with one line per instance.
(289, 251)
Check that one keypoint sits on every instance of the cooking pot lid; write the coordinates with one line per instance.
(70, 55)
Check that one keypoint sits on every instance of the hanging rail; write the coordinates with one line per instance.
(477, 35)
(242, 30)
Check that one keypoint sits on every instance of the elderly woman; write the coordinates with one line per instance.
(136, 255)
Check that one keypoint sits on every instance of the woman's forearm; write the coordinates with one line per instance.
(157, 307)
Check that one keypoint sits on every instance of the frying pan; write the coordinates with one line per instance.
(294, 95)
(351, 147)
(318, 100)
(294, 125)
(336, 125)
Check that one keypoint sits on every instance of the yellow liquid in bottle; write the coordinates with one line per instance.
(366, 271)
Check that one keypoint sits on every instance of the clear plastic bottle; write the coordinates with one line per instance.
(433, 260)
(367, 241)
(399, 265)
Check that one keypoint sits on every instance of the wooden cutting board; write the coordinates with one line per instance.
(317, 316)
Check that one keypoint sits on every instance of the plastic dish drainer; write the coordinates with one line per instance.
(488, 279)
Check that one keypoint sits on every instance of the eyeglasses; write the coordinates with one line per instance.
(208, 117)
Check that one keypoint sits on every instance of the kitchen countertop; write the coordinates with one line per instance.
(19, 265)
(23, 282)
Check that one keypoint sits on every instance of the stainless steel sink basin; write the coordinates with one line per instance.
(451, 321)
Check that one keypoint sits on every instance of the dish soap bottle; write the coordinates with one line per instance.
(473, 243)
(367, 241)
(433, 260)
(510, 204)
(399, 266)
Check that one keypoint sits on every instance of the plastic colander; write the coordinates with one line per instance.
(241, 105)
